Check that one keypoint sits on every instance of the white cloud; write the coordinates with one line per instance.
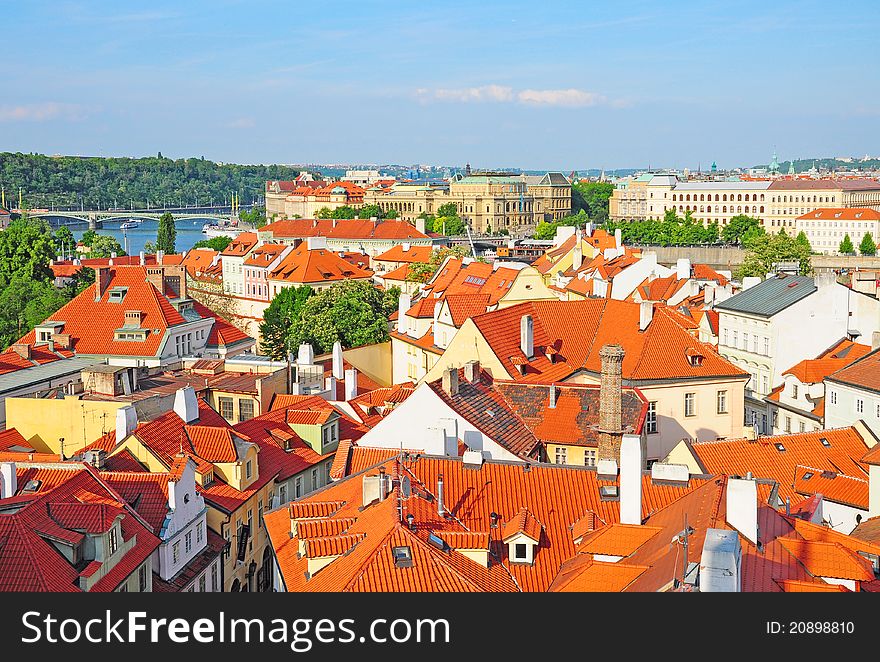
(571, 98)
(468, 94)
(41, 112)
(568, 98)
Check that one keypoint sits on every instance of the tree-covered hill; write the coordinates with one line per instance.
(63, 181)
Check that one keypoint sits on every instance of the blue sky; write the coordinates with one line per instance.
(525, 84)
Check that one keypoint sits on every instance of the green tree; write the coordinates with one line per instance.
(278, 319)
(803, 241)
(592, 198)
(24, 303)
(450, 226)
(255, 217)
(740, 228)
(421, 272)
(324, 212)
(64, 239)
(846, 246)
(88, 237)
(764, 251)
(166, 235)
(868, 246)
(214, 243)
(352, 312)
(447, 209)
(391, 213)
(26, 248)
(369, 211)
(545, 230)
(344, 212)
(104, 245)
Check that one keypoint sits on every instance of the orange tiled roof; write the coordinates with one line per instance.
(553, 496)
(344, 229)
(863, 373)
(241, 245)
(316, 266)
(617, 539)
(833, 486)
(262, 256)
(411, 254)
(763, 458)
(579, 329)
(523, 522)
(842, 214)
(464, 306)
(584, 574)
(829, 559)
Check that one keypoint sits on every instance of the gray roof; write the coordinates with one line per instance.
(40, 374)
(770, 296)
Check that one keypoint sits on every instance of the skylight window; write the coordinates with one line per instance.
(779, 447)
(808, 475)
(474, 280)
(609, 492)
(824, 442)
(402, 557)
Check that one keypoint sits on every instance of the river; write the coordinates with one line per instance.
(188, 233)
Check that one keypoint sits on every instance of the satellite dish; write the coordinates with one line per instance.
(405, 487)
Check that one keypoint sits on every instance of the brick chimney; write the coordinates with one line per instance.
(472, 371)
(156, 277)
(102, 280)
(609, 402)
(22, 349)
(450, 381)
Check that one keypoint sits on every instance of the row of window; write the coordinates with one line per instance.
(227, 409)
(589, 456)
(686, 197)
(759, 344)
(690, 409)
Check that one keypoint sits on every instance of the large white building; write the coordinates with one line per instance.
(853, 394)
(777, 203)
(785, 319)
(826, 228)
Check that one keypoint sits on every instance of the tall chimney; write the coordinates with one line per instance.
(338, 371)
(450, 381)
(577, 258)
(102, 280)
(351, 384)
(441, 508)
(403, 304)
(875, 340)
(472, 371)
(631, 479)
(420, 225)
(553, 396)
(682, 268)
(8, 480)
(646, 314)
(742, 507)
(527, 336)
(609, 402)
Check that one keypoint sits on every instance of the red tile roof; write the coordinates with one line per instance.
(522, 523)
(410, 255)
(842, 213)
(262, 256)
(355, 229)
(555, 497)
(618, 539)
(864, 373)
(91, 324)
(763, 458)
(579, 329)
(29, 562)
(833, 486)
(241, 245)
(465, 306)
(316, 266)
(12, 361)
(829, 559)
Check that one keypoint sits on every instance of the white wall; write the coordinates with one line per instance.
(841, 407)
(188, 512)
(417, 422)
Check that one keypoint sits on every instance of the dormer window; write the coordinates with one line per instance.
(112, 541)
(117, 294)
(248, 469)
(402, 557)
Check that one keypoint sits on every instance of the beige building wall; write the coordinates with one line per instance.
(45, 422)
(467, 345)
(672, 424)
(372, 360)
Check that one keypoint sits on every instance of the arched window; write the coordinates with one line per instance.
(701, 209)
(702, 198)
(716, 197)
(724, 197)
(673, 197)
(739, 197)
(724, 209)
(739, 209)
(762, 200)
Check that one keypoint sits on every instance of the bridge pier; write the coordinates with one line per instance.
(94, 223)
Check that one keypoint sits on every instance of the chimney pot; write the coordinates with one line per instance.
(646, 314)
(631, 463)
(527, 336)
(742, 507)
(403, 304)
(450, 381)
(441, 508)
(351, 384)
(610, 394)
(472, 371)
(553, 396)
(338, 371)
